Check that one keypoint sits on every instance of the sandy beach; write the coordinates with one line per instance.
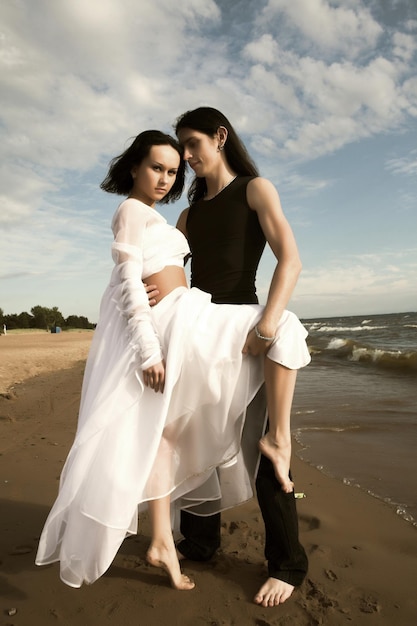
(363, 557)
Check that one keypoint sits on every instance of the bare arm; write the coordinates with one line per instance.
(264, 199)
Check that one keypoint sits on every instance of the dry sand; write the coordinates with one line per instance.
(363, 557)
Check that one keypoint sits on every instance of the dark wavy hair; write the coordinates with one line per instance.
(207, 120)
(119, 179)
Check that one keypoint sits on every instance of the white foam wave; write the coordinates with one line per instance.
(374, 354)
(327, 429)
(335, 344)
(347, 329)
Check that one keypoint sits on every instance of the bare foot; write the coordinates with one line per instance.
(167, 559)
(273, 592)
(280, 457)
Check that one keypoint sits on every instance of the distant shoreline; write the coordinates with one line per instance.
(355, 315)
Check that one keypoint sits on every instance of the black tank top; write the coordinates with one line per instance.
(226, 243)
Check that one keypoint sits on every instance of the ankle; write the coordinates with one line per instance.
(278, 439)
(162, 543)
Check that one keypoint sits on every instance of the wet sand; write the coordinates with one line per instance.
(363, 557)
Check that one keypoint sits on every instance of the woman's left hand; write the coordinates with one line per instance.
(255, 346)
(154, 377)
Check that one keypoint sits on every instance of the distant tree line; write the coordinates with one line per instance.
(45, 318)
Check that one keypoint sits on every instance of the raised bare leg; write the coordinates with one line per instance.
(276, 444)
(161, 552)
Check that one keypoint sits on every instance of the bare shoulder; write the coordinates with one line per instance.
(182, 221)
(262, 195)
(259, 183)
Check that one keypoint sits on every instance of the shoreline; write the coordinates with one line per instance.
(363, 556)
(398, 508)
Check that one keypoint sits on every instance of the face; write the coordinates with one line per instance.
(154, 176)
(200, 150)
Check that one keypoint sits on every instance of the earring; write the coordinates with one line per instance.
(220, 147)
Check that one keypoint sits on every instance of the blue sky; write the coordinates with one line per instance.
(323, 92)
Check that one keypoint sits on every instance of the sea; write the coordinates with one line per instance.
(355, 405)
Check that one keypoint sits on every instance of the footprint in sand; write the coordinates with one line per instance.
(330, 574)
(369, 605)
(21, 550)
(308, 522)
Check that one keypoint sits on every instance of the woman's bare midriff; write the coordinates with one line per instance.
(167, 280)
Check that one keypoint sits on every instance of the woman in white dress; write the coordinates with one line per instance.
(165, 388)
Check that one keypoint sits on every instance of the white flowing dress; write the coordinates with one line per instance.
(133, 444)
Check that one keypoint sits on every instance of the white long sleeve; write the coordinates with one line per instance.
(129, 227)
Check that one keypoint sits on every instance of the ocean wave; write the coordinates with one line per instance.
(319, 328)
(356, 352)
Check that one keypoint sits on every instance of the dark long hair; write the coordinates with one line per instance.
(119, 179)
(207, 120)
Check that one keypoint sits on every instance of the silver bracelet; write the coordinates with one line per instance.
(258, 334)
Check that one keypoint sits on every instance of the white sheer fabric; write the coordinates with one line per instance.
(138, 236)
(133, 444)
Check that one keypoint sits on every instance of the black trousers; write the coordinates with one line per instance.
(286, 556)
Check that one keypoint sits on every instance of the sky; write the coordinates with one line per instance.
(322, 92)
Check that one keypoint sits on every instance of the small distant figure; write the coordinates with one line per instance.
(5, 329)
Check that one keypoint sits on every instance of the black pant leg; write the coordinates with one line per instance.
(202, 536)
(286, 556)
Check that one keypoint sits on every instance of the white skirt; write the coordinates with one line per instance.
(133, 444)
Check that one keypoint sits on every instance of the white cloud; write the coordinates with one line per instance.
(329, 28)
(79, 78)
(405, 46)
(304, 185)
(411, 25)
(409, 90)
(321, 105)
(271, 87)
(22, 193)
(340, 286)
(406, 165)
(265, 50)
